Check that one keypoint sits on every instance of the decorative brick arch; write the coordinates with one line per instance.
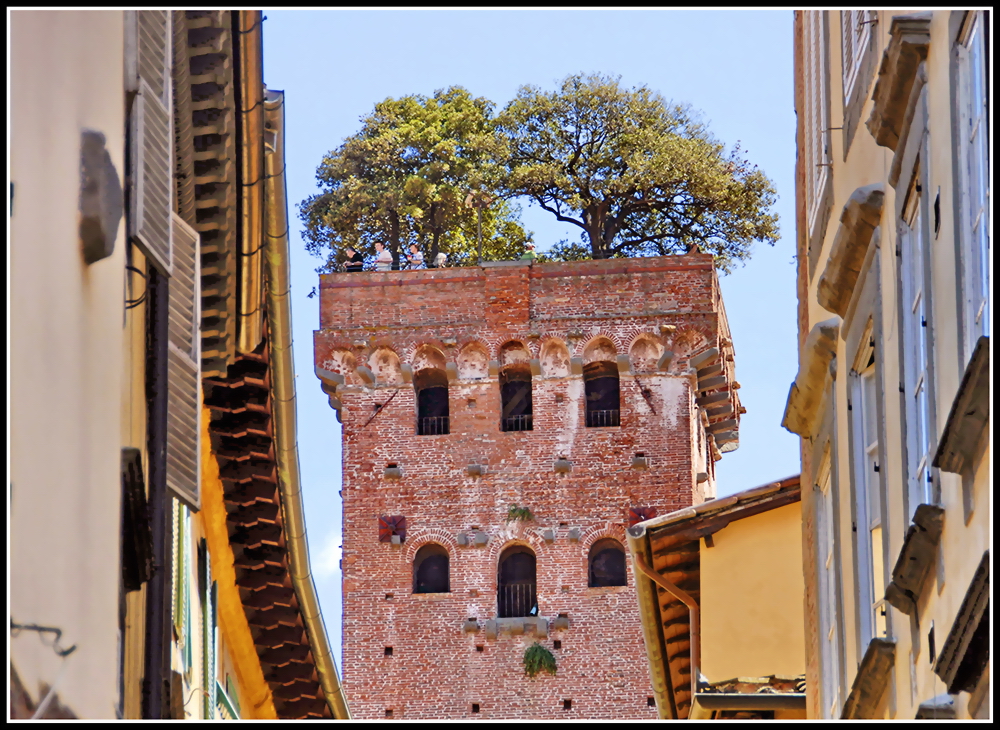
(614, 339)
(473, 360)
(384, 363)
(416, 539)
(514, 347)
(428, 355)
(644, 351)
(342, 360)
(614, 530)
(518, 535)
(554, 356)
(690, 340)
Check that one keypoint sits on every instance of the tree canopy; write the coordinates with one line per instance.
(405, 178)
(639, 176)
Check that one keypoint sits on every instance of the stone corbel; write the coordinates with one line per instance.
(806, 393)
(861, 216)
(366, 375)
(909, 40)
(915, 558)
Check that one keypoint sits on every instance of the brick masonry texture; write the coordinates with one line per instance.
(471, 321)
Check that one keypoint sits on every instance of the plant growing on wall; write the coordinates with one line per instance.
(538, 659)
(519, 514)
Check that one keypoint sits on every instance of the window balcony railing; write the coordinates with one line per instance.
(516, 423)
(517, 599)
(432, 426)
(603, 418)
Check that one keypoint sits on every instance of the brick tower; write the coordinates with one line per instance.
(503, 425)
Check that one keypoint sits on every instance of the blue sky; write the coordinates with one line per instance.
(734, 66)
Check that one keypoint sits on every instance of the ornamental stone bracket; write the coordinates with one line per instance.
(871, 681)
(969, 417)
(915, 558)
(529, 625)
(806, 393)
(861, 216)
(910, 38)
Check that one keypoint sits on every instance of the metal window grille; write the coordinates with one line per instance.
(603, 418)
(516, 423)
(432, 426)
(517, 599)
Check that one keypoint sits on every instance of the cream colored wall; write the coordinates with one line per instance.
(751, 598)
(961, 545)
(65, 372)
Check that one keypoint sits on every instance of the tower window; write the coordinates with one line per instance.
(607, 564)
(516, 583)
(567, 704)
(430, 570)
(600, 384)
(431, 385)
(515, 398)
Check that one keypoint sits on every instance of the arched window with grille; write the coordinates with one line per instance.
(516, 588)
(600, 384)
(430, 570)
(607, 564)
(431, 385)
(515, 398)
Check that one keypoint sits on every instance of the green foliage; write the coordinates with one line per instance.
(538, 659)
(405, 178)
(521, 514)
(639, 176)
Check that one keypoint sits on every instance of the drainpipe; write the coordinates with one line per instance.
(688, 600)
(283, 383)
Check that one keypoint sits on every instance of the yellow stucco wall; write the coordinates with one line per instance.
(751, 598)
(255, 697)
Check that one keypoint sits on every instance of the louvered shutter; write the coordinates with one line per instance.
(183, 370)
(152, 140)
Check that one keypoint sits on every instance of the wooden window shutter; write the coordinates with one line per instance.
(152, 140)
(137, 537)
(183, 370)
(153, 51)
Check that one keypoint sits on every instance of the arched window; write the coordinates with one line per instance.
(516, 583)
(600, 383)
(515, 398)
(607, 564)
(430, 570)
(431, 385)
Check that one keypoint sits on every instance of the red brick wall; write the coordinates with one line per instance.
(435, 670)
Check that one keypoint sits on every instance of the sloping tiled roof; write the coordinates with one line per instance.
(246, 356)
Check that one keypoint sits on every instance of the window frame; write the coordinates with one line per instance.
(972, 149)
(596, 549)
(425, 551)
(867, 478)
(916, 349)
(828, 577)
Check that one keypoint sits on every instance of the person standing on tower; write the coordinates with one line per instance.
(383, 259)
(354, 262)
(416, 258)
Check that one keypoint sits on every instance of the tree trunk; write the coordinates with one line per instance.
(394, 237)
(594, 221)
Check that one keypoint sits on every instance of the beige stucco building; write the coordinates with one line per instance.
(892, 395)
(720, 588)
